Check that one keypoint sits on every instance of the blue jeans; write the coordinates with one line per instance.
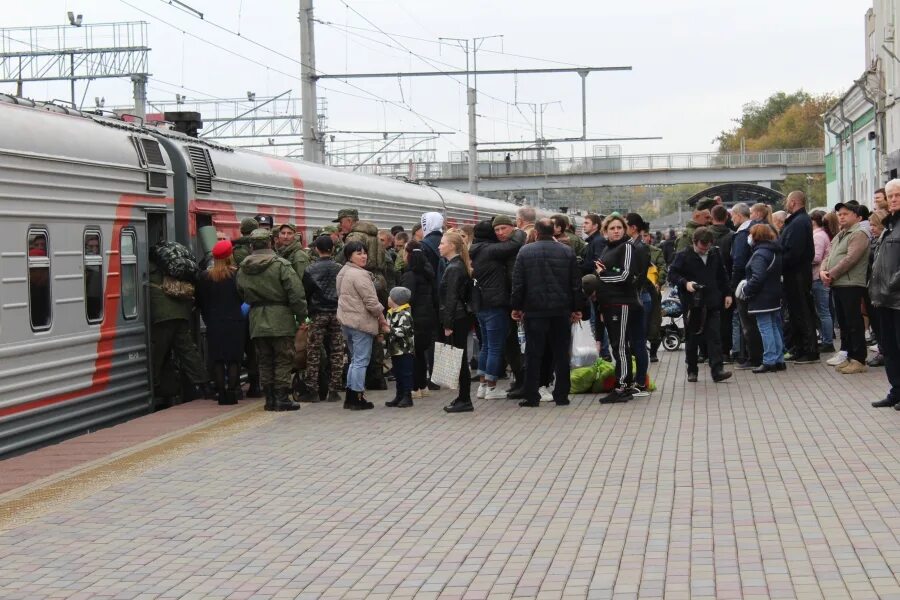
(769, 324)
(494, 324)
(736, 334)
(359, 344)
(822, 298)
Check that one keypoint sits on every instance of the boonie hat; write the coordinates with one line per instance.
(346, 212)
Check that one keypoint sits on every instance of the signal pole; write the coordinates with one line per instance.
(309, 118)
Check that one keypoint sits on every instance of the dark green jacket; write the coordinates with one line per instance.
(657, 258)
(297, 256)
(275, 294)
(166, 308)
(578, 244)
(241, 249)
(686, 238)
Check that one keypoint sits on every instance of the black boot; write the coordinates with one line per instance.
(395, 402)
(269, 391)
(349, 399)
(654, 348)
(333, 396)
(459, 406)
(363, 403)
(283, 401)
(254, 391)
(229, 398)
(405, 400)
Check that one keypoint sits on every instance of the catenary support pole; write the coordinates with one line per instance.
(309, 117)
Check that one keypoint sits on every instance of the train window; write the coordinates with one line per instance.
(128, 278)
(39, 301)
(93, 277)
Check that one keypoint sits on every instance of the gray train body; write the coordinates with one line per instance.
(82, 198)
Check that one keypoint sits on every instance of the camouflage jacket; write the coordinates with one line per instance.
(400, 339)
(295, 254)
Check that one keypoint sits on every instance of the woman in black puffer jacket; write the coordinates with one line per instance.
(418, 277)
(616, 297)
(456, 321)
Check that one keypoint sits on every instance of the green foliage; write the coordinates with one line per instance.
(782, 121)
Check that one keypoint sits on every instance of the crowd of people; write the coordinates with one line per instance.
(758, 290)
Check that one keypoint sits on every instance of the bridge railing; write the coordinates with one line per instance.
(599, 164)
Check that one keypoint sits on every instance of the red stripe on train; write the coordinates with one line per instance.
(103, 363)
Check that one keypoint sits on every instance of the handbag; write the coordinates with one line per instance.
(584, 347)
(447, 364)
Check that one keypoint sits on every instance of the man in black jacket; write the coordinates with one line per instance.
(546, 293)
(491, 295)
(723, 236)
(884, 290)
(594, 240)
(699, 273)
(320, 284)
(797, 257)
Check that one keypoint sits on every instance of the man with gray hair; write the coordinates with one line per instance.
(525, 218)
(746, 338)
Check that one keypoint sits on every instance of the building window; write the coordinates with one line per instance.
(93, 276)
(128, 278)
(39, 301)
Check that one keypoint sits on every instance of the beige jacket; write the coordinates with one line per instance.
(358, 305)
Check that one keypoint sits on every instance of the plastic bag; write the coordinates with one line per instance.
(581, 379)
(584, 348)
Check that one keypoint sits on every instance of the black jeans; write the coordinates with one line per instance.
(424, 346)
(543, 334)
(848, 305)
(802, 310)
(703, 326)
(752, 341)
(460, 339)
(619, 325)
(889, 340)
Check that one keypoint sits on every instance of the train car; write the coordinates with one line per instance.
(82, 199)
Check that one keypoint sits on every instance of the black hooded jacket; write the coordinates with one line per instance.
(490, 259)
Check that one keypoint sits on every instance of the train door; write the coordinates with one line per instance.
(157, 231)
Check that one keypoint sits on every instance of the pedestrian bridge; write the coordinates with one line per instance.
(761, 167)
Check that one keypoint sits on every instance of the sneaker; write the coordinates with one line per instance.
(837, 359)
(638, 391)
(721, 376)
(546, 394)
(418, 394)
(788, 356)
(826, 348)
(876, 361)
(494, 393)
(884, 403)
(873, 348)
(805, 359)
(852, 367)
(692, 377)
(433, 386)
(482, 390)
(616, 396)
(746, 365)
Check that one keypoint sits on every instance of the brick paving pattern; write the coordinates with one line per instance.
(774, 486)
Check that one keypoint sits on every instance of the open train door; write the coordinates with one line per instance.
(157, 231)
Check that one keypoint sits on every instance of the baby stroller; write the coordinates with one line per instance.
(672, 334)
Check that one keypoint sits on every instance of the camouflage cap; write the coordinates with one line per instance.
(248, 225)
(261, 234)
(347, 212)
(290, 226)
(329, 229)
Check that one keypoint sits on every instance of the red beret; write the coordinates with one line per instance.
(222, 249)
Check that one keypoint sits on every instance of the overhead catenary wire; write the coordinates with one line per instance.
(372, 95)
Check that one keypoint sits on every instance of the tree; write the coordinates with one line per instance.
(782, 121)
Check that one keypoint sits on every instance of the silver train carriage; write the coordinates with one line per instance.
(82, 198)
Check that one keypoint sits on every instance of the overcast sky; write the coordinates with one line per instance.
(695, 62)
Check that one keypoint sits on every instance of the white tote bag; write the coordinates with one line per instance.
(447, 363)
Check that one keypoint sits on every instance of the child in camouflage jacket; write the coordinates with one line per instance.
(400, 345)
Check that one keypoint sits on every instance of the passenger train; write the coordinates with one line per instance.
(83, 197)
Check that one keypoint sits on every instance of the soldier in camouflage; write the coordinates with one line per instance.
(290, 249)
(269, 284)
(241, 251)
(320, 282)
(241, 245)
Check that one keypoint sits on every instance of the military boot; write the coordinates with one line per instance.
(349, 399)
(270, 397)
(229, 397)
(405, 400)
(283, 401)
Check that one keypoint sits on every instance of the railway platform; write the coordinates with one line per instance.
(767, 486)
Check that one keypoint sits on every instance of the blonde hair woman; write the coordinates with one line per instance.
(456, 320)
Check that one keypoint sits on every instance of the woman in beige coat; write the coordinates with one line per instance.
(361, 317)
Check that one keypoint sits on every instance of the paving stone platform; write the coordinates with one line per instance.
(768, 486)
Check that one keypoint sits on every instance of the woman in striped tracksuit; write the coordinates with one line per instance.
(616, 299)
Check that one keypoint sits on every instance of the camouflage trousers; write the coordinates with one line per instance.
(276, 359)
(325, 334)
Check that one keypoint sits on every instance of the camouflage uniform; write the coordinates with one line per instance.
(170, 331)
(239, 253)
(295, 254)
(321, 295)
(654, 328)
(275, 294)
